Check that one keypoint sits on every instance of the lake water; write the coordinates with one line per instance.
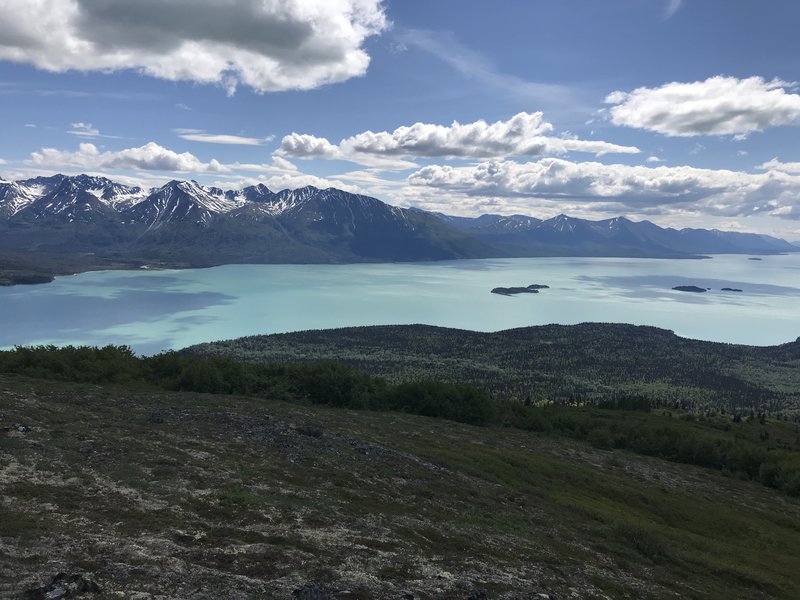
(157, 310)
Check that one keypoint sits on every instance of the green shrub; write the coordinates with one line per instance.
(457, 402)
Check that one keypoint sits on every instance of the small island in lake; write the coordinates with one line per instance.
(754, 258)
(510, 291)
(689, 288)
(731, 290)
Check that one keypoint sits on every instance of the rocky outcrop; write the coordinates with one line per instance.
(63, 586)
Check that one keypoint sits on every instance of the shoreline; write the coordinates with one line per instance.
(33, 274)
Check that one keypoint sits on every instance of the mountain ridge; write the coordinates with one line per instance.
(186, 224)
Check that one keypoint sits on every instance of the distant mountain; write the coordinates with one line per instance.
(14, 197)
(184, 223)
(568, 236)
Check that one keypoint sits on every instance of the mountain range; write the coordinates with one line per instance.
(184, 223)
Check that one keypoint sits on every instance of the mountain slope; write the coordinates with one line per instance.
(358, 225)
(179, 202)
(254, 497)
(185, 224)
(569, 236)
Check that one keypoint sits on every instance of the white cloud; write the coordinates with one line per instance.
(84, 130)
(282, 163)
(524, 134)
(309, 146)
(150, 157)
(266, 45)
(717, 106)
(87, 130)
(287, 180)
(776, 165)
(153, 157)
(654, 159)
(198, 135)
(623, 187)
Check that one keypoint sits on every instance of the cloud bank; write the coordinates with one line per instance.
(647, 190)
(199, 135)
(266, 45)
(716, 106)
(150, 157)
(524, 134)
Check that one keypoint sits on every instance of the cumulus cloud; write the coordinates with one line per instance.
(199, 135)
(153, 157)
(623, 187)
(716, 106)
(524, 134)
(302, 145)
(266, 45)
(150, 157)
(783, 167)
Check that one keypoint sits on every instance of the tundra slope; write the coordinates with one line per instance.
(157, 494)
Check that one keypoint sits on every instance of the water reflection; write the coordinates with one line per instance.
(62, 317)
(665, 283)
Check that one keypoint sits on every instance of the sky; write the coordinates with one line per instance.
(683, 112)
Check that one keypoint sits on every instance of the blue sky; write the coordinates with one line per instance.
(682, 112)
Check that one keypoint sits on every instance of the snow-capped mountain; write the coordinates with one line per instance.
(13, 198)
(184, 222)
(114, 194)
(180, 201)
(67, 202)
(16, 196)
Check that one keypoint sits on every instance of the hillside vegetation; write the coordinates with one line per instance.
(587, 363)
(719, 441)
(151, 494)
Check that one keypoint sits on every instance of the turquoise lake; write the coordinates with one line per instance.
(158, 310)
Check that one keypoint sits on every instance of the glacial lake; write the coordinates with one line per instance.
(158, 310)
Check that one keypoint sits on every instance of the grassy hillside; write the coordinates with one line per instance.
(591, 362)
(185, 495)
